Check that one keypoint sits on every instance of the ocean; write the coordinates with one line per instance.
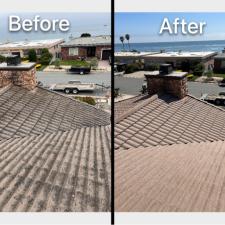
(191, 46)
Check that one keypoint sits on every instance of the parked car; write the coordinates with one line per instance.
(119, 69)
(79, 70)
(73, 87)
(222, 83)
(222, 93)
(214, 99)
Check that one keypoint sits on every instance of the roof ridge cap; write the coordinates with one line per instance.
(168, 145)
(4, 89)
(214, 106)
(137, 107)
(54, 92)
(135, 96)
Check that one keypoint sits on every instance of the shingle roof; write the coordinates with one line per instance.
(62, 171)
(162, 120)
(24, 112)
(89, 41)
(180, 177)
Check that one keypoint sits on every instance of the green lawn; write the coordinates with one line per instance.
(193, 78)
(218, 75)
(77, 63)
(41, 68)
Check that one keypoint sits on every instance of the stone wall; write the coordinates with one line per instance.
(175, 85)
(24, 78)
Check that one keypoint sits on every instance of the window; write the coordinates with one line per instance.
(73, 51)
(223, 64)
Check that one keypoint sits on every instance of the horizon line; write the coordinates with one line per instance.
(152, 42)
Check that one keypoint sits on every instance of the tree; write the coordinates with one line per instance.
(32, 56)
(87, 99)
(127, 36)
(46, 56)
(85, 35)
(122, 40)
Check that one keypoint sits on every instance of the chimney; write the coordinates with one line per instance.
(17, 73)
(167, 81)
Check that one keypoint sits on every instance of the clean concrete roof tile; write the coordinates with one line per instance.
(176, 121)
(179, 177)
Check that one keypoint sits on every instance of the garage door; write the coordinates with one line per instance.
(106, 54)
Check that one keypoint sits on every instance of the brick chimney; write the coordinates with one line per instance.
(20, 74)
(167, 81)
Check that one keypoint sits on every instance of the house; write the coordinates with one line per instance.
(22, 48)
(169, 150)
(219, 63)
(54, 150)
(179, 60)
(94, 46)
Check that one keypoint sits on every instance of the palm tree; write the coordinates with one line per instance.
(122, 40)
(127, 36)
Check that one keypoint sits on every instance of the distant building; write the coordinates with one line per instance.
(22, 47)
(94, 46)
(177, 59)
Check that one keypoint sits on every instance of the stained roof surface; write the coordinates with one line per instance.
(89, 41)
(24, 112)
(30, 44)
(62, 171)
(55, 153)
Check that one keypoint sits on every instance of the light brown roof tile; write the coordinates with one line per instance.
(164, 119)
(180, 177)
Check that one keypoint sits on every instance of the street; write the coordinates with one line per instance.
(132, 86)
(49, 78)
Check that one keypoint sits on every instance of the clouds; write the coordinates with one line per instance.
(94, 23)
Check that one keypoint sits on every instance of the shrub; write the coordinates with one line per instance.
(32, 56)
(199, 69)
(94, 63)
(87, 99)
(209, 75)
(131, 68)
(2, 59)
(57, 64)
(151, 67)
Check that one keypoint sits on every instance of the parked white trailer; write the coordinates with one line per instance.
(73, 87)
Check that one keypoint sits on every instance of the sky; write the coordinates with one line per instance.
(93, 23)
(145, 27)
